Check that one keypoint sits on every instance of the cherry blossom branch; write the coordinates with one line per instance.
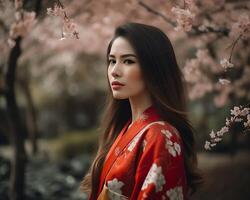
(149, 9)
(24, 21)
(241, 29)
(69, 28)
(185, 17)
(233, 45)
(237, 115)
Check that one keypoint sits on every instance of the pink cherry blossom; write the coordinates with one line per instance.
(224, 81)
(192, 71)
(226, 64)
(69, 28)
(247, 123)
(11, 42)
(241, 27)
(23, 26)
(56, 11)
(212, 134)
(207, 145)
(184, 19)
(238, 114)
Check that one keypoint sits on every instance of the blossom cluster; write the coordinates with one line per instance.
(241, 27)
(184, 16)
(226, 64)
(69, 28)
(193, 74)
(23, 23)
(238, 114)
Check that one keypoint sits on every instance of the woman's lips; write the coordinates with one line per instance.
(117, 86)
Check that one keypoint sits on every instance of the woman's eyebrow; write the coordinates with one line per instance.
(124, 55)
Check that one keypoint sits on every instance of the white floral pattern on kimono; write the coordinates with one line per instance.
(175, 193)
(156, 177)
(172, 147)
(114, 187)
(167, 133)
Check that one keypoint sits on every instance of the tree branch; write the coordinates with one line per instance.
(149, 9)
(195, 29)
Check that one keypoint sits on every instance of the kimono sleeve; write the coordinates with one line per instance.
(160, 172)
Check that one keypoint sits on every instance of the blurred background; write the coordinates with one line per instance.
(53, 85)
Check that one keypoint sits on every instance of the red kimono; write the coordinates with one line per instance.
(145, 162)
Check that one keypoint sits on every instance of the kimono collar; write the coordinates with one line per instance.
(148, 115)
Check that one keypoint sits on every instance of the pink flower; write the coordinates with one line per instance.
(227, 122)
(247, 123)
(245, 111)
(184, 19)
(55, 11)
(200, 89)
(235, 111)
(241, 27)
(11, 43)
(23, 26)
(212, 134)
(191, 71)
(207, 145)
(223, 130)
(237, 115)
(69, 28)
(224, 81)
(226, 64)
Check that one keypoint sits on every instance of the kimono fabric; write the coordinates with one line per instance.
(145, 162)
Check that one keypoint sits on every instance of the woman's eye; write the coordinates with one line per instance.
(129, 61)
(111, 61)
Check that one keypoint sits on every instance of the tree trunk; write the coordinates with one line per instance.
(31, 114)
(17, 179)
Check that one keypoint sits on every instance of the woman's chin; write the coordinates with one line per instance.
(118, 96)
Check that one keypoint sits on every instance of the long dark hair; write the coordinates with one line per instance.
(164, 81)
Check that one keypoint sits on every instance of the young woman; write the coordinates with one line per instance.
(146, 150)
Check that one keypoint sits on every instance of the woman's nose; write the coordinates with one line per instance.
(116, 71)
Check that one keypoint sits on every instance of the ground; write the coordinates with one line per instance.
(226, 177)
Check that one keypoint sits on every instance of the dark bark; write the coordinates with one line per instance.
(31, 117)
(16, 127)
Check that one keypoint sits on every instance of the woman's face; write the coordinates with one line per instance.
(124, 72)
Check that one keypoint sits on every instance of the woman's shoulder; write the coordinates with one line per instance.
(162, 140)
(162, 129)
(163, 134)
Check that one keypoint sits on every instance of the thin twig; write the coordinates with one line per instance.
(233, 45)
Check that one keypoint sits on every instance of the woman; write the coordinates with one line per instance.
(146, 150)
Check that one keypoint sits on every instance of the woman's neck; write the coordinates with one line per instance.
(138, 105)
